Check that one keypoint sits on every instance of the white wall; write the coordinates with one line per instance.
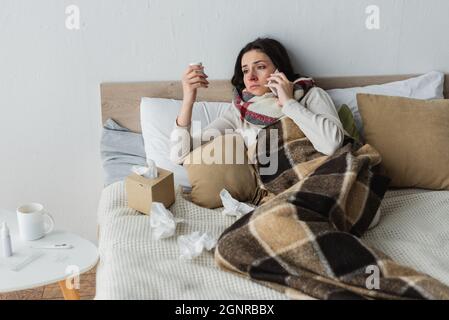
(49, 76)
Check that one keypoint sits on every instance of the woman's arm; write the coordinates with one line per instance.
(316, 116)
(318, 119)
(192, 79)
(182, 142)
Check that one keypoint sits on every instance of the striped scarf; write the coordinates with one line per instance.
(264, 110)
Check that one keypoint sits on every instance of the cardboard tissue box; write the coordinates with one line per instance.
(141, 191)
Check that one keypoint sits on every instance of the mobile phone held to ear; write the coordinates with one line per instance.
(273, 89)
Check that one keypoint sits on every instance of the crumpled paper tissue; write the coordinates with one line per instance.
(192, 245)
(233, 207)
(150, 171)
(162, 221)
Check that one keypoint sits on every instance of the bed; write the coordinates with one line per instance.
(413, 228)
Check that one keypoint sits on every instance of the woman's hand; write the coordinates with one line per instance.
(192, 79)
(283, 87)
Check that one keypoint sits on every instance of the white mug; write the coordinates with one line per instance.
(34, 222)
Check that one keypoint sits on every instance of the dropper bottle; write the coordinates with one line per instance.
(6, 241)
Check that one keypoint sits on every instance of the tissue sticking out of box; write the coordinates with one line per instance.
(192, 245)
(233, 207)
(150, 171)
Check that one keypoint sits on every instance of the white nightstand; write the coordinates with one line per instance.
(54, 265)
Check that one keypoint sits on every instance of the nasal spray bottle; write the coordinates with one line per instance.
(6, 241)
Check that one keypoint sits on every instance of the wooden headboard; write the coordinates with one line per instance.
(121, 101)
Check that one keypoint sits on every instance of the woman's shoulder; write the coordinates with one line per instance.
(316, 92)
(232, 112)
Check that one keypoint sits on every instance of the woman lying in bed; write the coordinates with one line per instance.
(305, 240)
(256, 106)
(254, 78)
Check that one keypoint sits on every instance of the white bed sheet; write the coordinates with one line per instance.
(414, 230)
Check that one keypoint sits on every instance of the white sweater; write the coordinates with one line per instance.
(315, 115)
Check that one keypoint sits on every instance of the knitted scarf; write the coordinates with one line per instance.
(264, 110)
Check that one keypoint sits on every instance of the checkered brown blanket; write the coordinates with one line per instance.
(304, 239)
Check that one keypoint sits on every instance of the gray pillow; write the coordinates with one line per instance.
(120, 149)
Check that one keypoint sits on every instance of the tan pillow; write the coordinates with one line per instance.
(220, 164)
(412, 137)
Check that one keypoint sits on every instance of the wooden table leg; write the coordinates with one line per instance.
(69, 294)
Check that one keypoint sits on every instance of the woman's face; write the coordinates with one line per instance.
(256, 68)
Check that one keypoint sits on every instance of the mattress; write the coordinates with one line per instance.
(413, 229)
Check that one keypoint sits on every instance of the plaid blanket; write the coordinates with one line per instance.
(305, 237)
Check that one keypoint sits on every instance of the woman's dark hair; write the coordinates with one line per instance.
(272, 48)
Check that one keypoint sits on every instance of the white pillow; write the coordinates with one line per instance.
(427, 86)
(157, 119)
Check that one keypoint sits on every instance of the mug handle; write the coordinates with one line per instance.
(51, 222)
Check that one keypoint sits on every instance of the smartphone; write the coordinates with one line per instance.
(273, 89)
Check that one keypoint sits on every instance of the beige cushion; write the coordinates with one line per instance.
(220, 164)
(412, 137)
